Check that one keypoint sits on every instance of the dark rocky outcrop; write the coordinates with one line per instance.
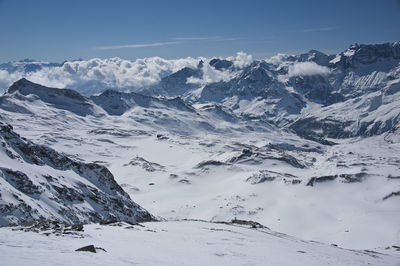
(321, 179)
(89, 248)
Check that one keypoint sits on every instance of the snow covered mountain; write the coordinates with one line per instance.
(313, 93)
(292, 91)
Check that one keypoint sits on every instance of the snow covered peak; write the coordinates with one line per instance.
(316, 57)
(26, 87)
(65, 99)
(365, 54)
(117, 103)
(279, 90)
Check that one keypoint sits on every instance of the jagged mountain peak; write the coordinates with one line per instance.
(21, 83)
(364, 54)
(220, 64)
(315, 56)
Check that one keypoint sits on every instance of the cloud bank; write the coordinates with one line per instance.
(307, 69)
(96, 75)
(210, 74)
(241, 59)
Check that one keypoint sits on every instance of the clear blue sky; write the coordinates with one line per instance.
(57, 30)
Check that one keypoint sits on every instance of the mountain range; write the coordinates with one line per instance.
(310, 93)
(305, 144)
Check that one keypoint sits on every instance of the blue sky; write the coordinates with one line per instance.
(53, 30)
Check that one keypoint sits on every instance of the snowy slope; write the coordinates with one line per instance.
(177, 243)
(205, 162)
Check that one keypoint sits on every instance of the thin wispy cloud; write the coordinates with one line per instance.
(229, 39)
(138, 45)
(320, 29)
(211, 39)
(178, 40)
(197, 38)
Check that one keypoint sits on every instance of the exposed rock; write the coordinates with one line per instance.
(50, 227)
(257, 157)
(118, 132)
(250, 223)
(321, 179)
(146, 165)
(184, 181)
(397, 193)
(265, 175)
(261, 177)
(89, 248)
(351, 178)
(221, 64)
(291, 147)
(161, 137)
(209, 163)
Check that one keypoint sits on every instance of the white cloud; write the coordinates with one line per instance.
(138, 45)
(211, 75)
(320, 29)
(307, 69)
(277, 59)
(241, 59)
(197, 38)
(97, 74)
(6, 79)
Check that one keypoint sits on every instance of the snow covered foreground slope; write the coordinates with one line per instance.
(177, 243)
(37, 183)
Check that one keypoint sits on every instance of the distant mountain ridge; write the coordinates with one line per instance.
(353, 93)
